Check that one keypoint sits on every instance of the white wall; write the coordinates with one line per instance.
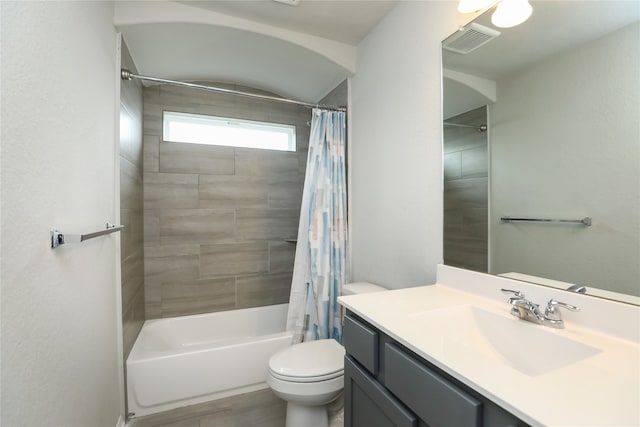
(396, 146)
(59, 337)
(565, 142)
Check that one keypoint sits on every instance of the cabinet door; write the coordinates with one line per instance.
(361, 342)
(368, 404)
(436, 400)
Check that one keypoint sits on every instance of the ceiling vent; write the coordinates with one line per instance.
(470, 38)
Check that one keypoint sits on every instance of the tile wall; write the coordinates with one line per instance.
(131, 245)
(216, 218)
(466, 194)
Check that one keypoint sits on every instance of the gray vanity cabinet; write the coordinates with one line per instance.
(386, 385)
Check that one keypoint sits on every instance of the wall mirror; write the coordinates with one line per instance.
(541, 123)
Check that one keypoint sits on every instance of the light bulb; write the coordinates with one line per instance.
(510, 13)
(470, 6)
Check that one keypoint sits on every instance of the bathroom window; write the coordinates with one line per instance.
(210, 130)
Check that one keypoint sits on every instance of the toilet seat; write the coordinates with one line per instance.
(307, 379)
(311, 361)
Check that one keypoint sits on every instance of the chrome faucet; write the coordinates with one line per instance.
(527, 310)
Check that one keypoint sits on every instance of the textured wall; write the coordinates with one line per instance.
(215, 218)
(60, 347)
(466, 192)
(396, 146)
(131, 244)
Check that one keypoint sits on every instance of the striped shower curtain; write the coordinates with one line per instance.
(320, 268)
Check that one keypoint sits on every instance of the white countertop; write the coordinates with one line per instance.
(600, 390)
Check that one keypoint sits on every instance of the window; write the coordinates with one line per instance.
(199, 129)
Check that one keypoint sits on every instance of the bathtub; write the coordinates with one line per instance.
(187, 360)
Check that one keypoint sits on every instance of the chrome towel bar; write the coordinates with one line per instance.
(58, 238)
(584, 221)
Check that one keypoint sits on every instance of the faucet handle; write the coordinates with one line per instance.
(518, 294)
(552, 312)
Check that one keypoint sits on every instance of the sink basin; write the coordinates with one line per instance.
(529, 348)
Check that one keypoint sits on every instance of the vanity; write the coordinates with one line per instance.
(452, 354)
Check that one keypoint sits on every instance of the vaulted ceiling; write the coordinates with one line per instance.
(299, 52)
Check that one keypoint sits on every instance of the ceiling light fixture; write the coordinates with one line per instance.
(510, 13)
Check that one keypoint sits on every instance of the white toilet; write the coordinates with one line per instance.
(310, 375)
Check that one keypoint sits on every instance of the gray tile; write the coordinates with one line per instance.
(256, 409)
(475, 223)
(170, 190)
(196, 159)
(151, 221)
(302, 163)
(267, 224)
(233, 191)
(262, 186)
(132, 320)
(234, 258)
(151, 153)
(222, 418)
(459, 138)
(281, 256)
(150, 92)
(475, 162)
(130, 185)
(196, 225)
(198, 296)
(466, 193)
(152, 119)
(181, 96)
(255, 162)
(159, 421)
(302, 134)
(467, 253)
(285, 191)
(132, 274)
(152, 299)
(131, 237)
(264, 409)
(264, 289)
(153, 309)
(175, 262)
(131, 134)
(452, 164)
(339, 95)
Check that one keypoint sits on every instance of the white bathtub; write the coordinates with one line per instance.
(187, 360)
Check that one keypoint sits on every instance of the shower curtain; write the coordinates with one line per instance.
(320, 268)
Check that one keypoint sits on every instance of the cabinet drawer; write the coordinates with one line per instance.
(361, 342)
(368, 404)
(433, 398)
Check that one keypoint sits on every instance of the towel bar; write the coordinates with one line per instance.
(585, 221)
(58, 238)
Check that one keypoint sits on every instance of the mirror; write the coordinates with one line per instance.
(541, 123)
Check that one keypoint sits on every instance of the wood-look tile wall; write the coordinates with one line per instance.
(131, 240)
(466, 194)
(215, 218)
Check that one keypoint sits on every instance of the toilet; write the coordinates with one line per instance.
(310, 375)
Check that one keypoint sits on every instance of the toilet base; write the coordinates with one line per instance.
(306, 416)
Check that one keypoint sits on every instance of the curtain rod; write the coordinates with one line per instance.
(128, 75)
(480, 128)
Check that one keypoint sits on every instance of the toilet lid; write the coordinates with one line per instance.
(309, 361)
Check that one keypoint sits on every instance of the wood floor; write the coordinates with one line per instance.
(257, 409)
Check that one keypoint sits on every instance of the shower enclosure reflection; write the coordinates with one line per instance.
(563, 143)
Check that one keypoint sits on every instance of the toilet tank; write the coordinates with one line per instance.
(361, 288)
